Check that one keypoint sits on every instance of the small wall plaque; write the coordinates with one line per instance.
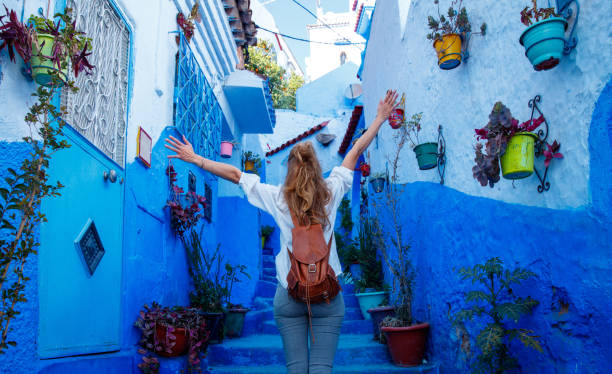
(144, 146)
(88, 243)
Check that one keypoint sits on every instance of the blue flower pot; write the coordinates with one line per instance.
(369, 300)
(378, 184)
(544, 42)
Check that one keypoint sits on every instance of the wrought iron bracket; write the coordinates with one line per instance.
(441, 154)
(540, 143)
(566, 11)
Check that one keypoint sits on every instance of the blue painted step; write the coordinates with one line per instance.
(348, 327)
(268, 251)
(261, 350)
(255, 319)
(265, 289)
(366, 369)
(262, 302)
(269, 272)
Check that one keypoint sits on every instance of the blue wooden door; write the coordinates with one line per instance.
(79, 285)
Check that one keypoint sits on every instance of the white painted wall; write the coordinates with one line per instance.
(324, 58)
(154, 50)
(497, 70)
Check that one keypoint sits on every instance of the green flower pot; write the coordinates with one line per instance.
(544, 42)
(427, 155)
(234, 322)
(369, 300)
(42, 67)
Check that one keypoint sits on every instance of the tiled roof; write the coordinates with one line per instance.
(355, 4)
(350, 131)
(302, 136)
(358, 17)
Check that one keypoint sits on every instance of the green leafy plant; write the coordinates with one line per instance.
(185, 208)
(283, 85)
(398, 261)
(494, 303)
(454, 22)
(345, 245)
(371, 265)
(266, 231)
(529, 14)
(24, 189)
(231, 276)
(253, 157)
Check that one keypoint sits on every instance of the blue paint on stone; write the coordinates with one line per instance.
(568, 250)
(22, 328)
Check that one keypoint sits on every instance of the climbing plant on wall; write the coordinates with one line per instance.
(283, 85)
(23, 190)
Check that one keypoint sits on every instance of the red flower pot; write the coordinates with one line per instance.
(407, 344)
(378, 314)
(396, 118)
(180, 346)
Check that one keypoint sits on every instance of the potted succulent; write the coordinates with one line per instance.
(265, 233)
(544, 38)
(369, 288)
(495, 305)
(234, 313)
(209, 289)
(49, 47)
(510, 142)
(378, 181)
(226, 148)
(252, 162)
(448, 32)
(426, 153)
(406, 338)
(171, 332)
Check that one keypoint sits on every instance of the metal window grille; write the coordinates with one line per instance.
(98, 111)
(197, 112)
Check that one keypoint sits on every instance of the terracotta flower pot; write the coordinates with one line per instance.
(181, 342)
(407, 344)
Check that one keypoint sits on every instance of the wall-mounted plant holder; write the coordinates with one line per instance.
(541, 147)
(566, 11)
(226, 148)
(397, 117)
(430, 155)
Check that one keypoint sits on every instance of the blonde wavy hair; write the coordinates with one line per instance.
(305, 190)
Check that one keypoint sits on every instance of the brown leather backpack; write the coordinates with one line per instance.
(311, 279)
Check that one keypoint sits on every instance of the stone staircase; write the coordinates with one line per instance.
(260, 348)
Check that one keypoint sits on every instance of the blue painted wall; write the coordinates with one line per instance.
(569, 250)
(23, 328)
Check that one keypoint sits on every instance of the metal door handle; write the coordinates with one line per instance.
(110, 175)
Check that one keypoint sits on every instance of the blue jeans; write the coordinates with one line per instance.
(292, 320)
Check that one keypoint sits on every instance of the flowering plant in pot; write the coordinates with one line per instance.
(364, 168)
(187, 24)
(496, 307)
(511, 143)
(378, 181)
(171, 332)
(544, 38)
(252, 162)
(185, 208)
(448, 31)
(234, 313)
(49, 47)
(406, 338)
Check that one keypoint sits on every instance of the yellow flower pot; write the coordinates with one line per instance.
(517, 162)
(42, 67)
(249, 165)
(449, 51)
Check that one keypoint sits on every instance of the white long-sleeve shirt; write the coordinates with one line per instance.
(270, 199)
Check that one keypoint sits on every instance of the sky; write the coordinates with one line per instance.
(292, 20)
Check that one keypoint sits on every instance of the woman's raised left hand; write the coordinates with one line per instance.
(184, 150)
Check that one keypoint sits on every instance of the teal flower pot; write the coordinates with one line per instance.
(544, 42)
(369, 300)
(427, 155)
(234, 322)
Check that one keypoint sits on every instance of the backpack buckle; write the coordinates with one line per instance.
(312, 268)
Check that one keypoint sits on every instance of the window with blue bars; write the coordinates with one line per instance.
(197, 113)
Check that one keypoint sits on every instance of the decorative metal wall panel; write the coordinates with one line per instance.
(98, 111)
(197, 112)
(90, 245)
